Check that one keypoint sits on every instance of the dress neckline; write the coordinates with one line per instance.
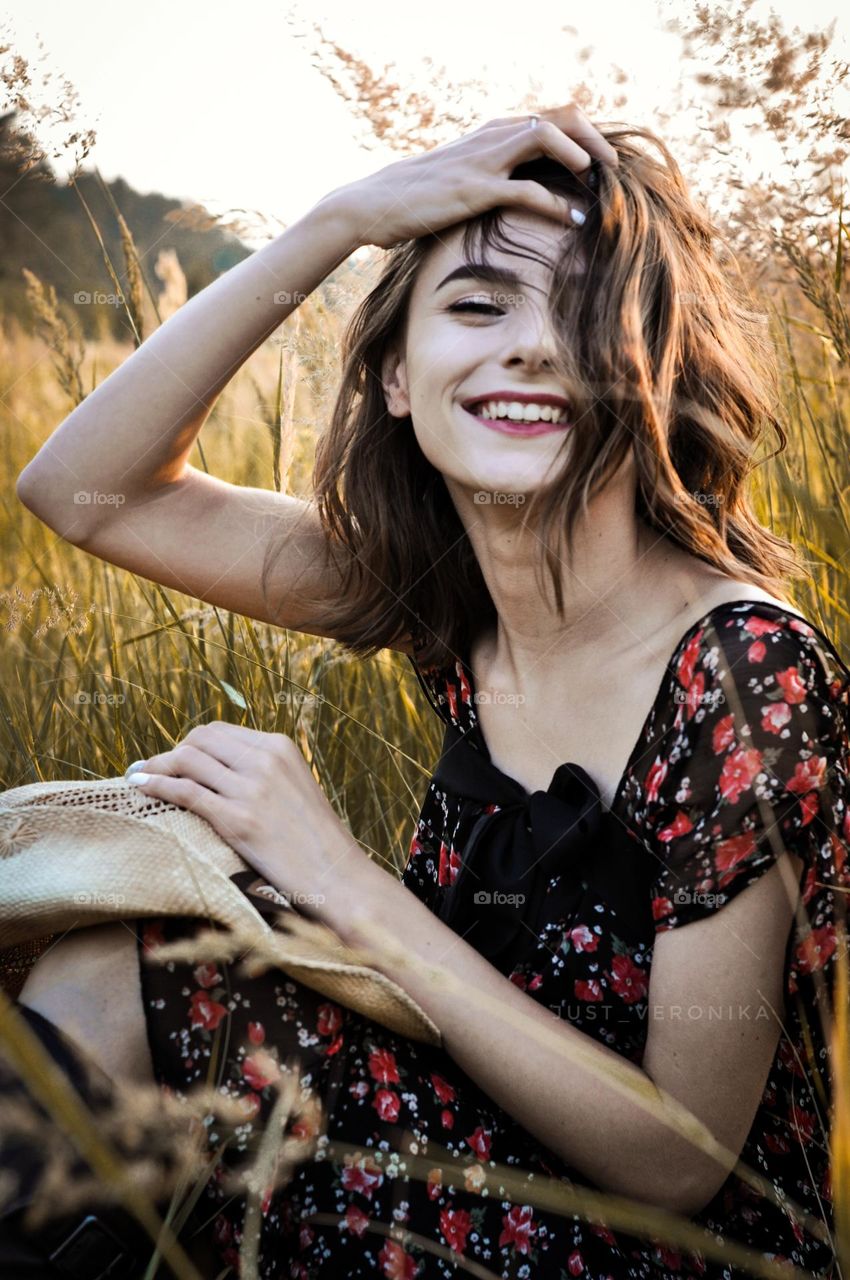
(668, 673)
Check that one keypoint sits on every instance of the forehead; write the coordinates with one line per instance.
(527, 249)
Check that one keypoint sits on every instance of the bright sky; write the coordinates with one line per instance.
(221, 104)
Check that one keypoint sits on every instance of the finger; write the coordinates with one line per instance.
(526, 194)
(572, 120)
(232, 744)
(545, 138)
(188, 794)
(187, 761)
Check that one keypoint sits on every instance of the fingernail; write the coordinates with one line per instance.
(138, 779)
(133, 768)
(577, 215)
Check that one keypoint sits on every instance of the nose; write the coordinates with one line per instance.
(530, 343)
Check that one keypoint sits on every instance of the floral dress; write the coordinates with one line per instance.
(747, 736)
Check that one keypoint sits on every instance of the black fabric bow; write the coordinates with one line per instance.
(496, 902)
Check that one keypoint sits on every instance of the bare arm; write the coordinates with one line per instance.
(131, 437)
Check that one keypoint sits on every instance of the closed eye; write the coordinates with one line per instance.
(476, 307)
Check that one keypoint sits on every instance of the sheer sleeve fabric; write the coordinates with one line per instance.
(754, 761)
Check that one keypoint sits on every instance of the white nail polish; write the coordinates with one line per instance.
(138, 779)
(133, 768)
(577, 215)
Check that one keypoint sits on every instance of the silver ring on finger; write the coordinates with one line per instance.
(533, 120)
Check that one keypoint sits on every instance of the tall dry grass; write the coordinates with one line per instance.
(99, 667)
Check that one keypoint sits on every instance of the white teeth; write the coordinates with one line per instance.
(519, 412)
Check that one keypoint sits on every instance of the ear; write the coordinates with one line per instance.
(394, 381)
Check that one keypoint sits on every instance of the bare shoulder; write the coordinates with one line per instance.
(88, 984)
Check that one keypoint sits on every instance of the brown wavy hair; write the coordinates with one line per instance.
(661, 350)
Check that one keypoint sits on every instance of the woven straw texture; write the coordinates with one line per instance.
(74, 854)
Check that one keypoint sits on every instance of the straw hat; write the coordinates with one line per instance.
(74, 854)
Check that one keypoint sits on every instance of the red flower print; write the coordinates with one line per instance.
(519, 980)
(688, 661)
(329, 1020)
(575, 1265)
(256, 1032)
(447, 1120)
(723, 734)
(206, 975)
(802, 1124)
(382, 1066)
(443, 871)
(680, 826)
(671, 1258)
(535, 982)
(356, 1220)
(518, 1228)
(696, 690)
(814, 951)
(395, 1263)
(760, 626)
(387, 1104)
(479, 1141)
(590, 990)
(361, 1174)
(728, 853)
(205, 1012)
(604, 1233)
(777, 1144)
(582, 938)
(452, 697)
(255, 1072)
(455, 1225)
(444, 1091)
(756, 651)
(654, 779)
(152, 936)
(809, 775)
(661, 907)
(792, 686)
(465, 691)
(810, 805)
(628, 980)
(776, 717)
(306, 1236)
(739, 769)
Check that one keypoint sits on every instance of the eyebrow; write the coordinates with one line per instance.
(483, 271)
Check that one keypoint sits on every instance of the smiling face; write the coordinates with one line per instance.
(478, 334)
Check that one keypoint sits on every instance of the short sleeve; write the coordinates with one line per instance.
(755, 760)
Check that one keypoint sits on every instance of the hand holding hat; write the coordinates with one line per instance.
(257, 792)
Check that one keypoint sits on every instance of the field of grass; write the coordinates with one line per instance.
(99, 667)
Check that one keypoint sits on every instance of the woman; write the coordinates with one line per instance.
(629, 745)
